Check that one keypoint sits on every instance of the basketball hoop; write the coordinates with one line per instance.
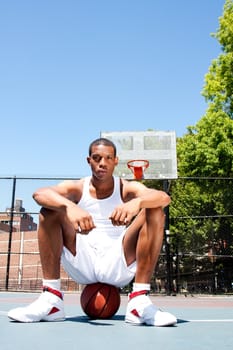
(138, 167)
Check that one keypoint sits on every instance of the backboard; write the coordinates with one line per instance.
(158, 147)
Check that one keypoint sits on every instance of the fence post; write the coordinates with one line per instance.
(10, 233)
(167, 242)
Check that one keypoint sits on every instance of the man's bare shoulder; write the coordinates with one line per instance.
(131, 189)
(132, 184)
(71, 183)
(72, 189)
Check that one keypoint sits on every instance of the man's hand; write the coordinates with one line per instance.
(124, 213)
(80, 219)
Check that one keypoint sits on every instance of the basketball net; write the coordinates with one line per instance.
(138, 167)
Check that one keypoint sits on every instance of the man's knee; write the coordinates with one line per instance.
(155, 216)
(48, 214)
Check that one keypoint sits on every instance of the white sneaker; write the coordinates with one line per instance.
(140, 310)
(48, 307)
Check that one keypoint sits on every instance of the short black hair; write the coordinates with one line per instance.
(102, 141)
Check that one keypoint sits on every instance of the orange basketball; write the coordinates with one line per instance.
(100, 300)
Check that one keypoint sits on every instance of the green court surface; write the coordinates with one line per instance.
(203, 323)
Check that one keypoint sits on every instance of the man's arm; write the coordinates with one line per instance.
(63, 198)
(137, 196)
(57, 197)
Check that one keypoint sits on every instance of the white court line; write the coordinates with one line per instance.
(221, 320)
(5, 313)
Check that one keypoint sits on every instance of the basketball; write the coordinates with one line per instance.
(100, 300)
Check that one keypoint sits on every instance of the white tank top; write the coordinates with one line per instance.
(100, 210)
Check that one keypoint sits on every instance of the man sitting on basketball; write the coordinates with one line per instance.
(102, 229)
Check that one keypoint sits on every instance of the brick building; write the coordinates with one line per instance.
(25, 268)
(21, 256)
(22, 221)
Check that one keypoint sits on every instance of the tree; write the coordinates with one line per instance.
(218, 89)
(206, 150)
(202, 204)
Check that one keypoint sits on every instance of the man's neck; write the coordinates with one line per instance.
(101, 189)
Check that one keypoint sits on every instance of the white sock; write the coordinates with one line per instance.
(141, 286)
(54, 284)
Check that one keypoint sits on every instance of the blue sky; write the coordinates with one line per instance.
(73, 68)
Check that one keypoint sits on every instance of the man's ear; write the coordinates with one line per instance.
(116, 160)
(88, 160)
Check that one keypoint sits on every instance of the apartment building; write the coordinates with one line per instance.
(22, 221)
(20, 266)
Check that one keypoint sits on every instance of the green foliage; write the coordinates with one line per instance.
(200, 212)
(225, 32)
(202, 196)
(218, 89)
(206, 150)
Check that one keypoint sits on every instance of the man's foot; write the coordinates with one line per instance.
(48, 307)
(140, 310)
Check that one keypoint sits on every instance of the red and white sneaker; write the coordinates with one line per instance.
(48, 307)
(140, 310)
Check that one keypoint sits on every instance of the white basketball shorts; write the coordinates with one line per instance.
(94, 264)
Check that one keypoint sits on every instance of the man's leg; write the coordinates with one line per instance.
(52, 233)
(143, 242)
(149, 245)
(50, 243)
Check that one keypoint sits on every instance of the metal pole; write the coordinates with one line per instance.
(167, 242)
(20, 273)
(10, 233)
(177, 264)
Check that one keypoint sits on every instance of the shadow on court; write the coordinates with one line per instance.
(203, 323)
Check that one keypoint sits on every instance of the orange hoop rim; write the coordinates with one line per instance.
(145, 165)
(137, 169)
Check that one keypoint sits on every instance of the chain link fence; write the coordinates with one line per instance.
(197, 254)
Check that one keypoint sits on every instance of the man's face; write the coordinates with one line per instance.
(102, 161)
